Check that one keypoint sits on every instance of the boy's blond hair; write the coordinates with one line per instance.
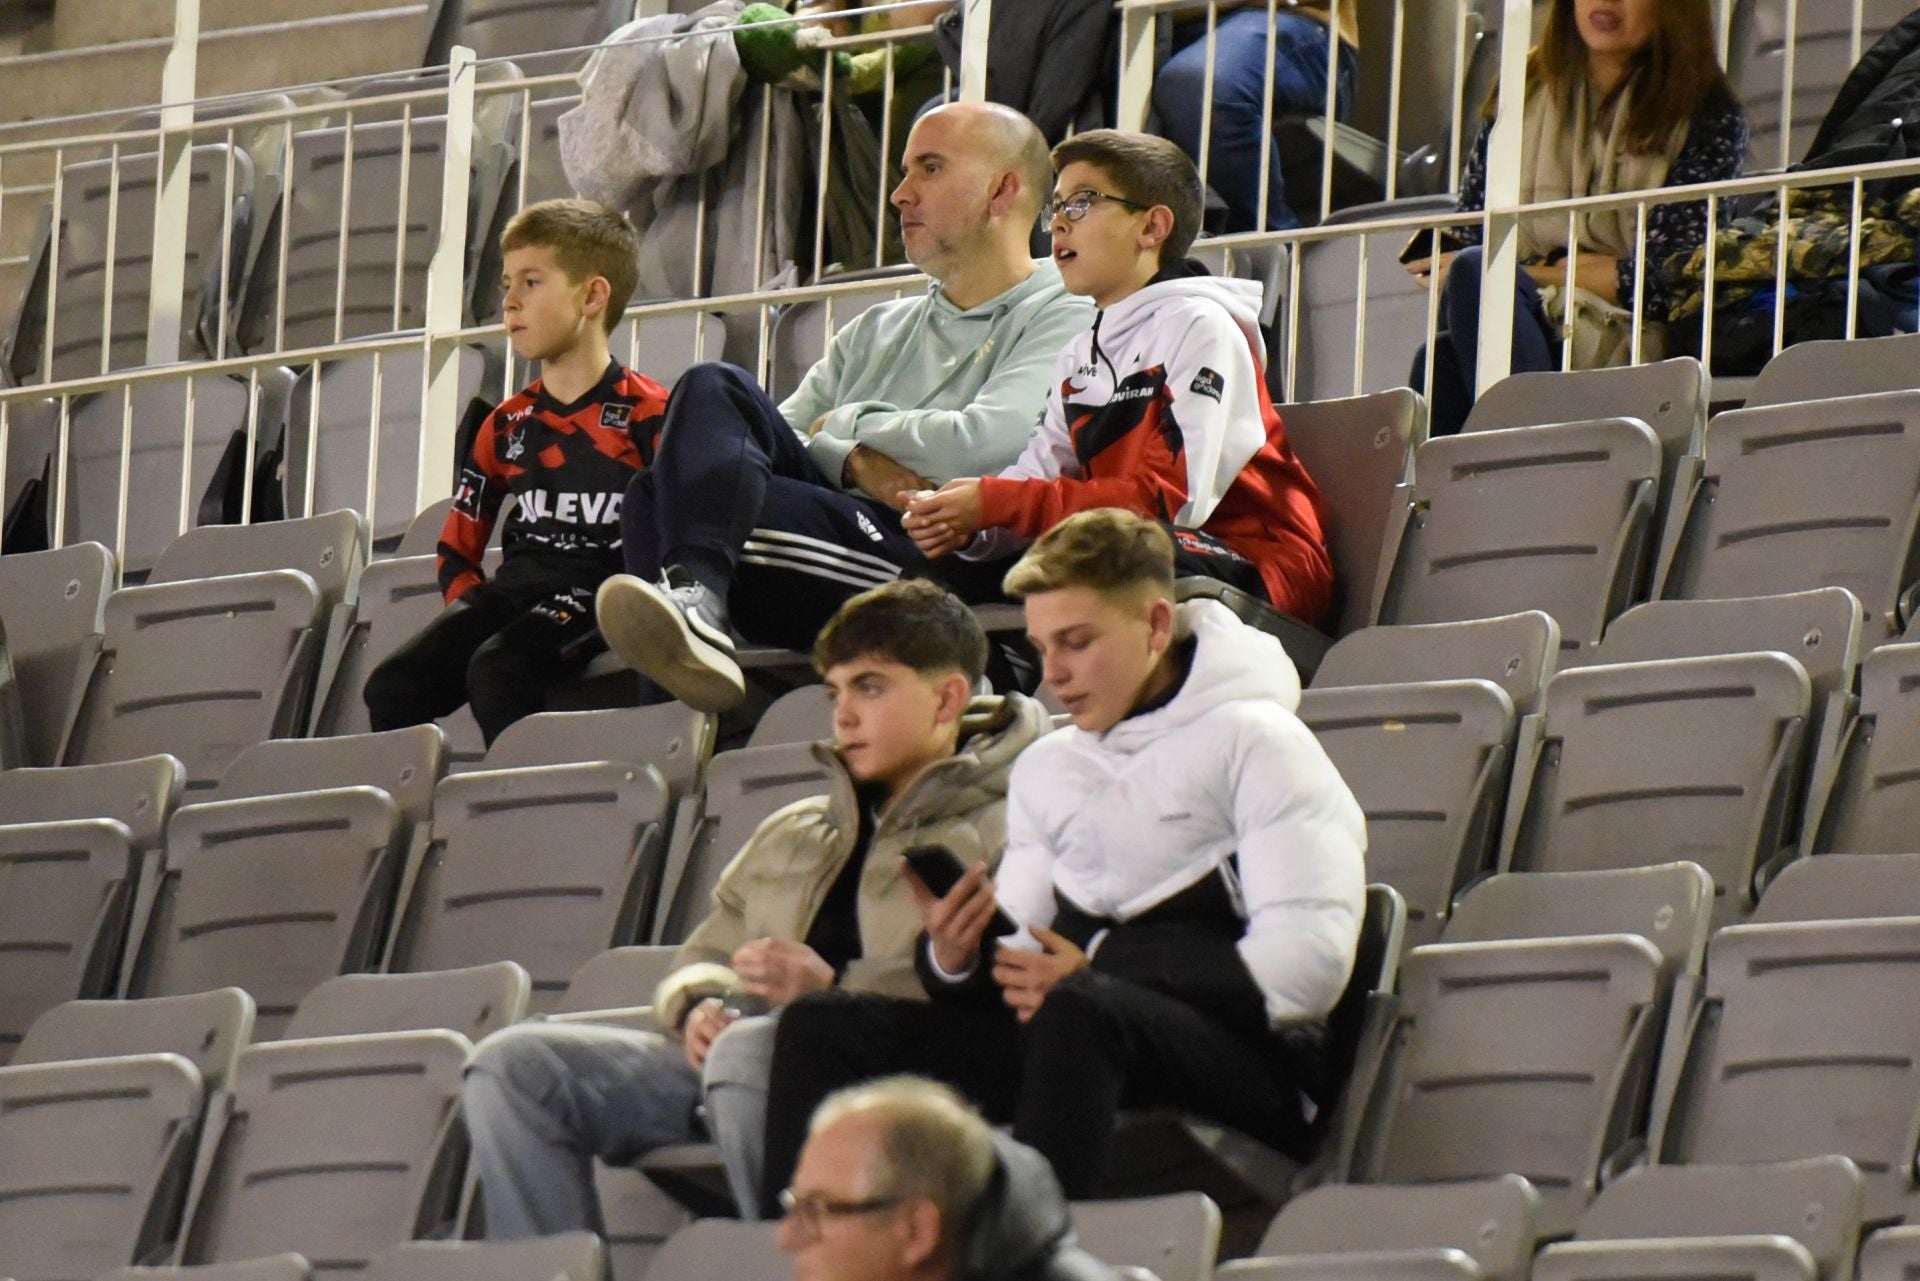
(1114, 552)
(588, 239)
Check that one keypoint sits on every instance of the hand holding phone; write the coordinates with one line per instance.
(957, 905)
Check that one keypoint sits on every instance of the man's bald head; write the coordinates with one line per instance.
(1006, 140)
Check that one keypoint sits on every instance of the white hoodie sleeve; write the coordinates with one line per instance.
(1302, 848)
(1214, 382)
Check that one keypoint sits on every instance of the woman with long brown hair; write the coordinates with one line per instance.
(1622, 95)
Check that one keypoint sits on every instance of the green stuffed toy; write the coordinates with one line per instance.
(776, 50)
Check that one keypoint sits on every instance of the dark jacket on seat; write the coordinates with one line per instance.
(1022, 1231)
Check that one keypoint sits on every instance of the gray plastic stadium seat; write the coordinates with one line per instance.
(1429, 765)
(1358, 452)
(803, 715)
(1792, 1220)
(1842, 887)
(671, 737)
(743, 788)
(665, 346)
(1522, 1057)
(1552, 518)
(336, 1149)
(207, 1029)
(1822, 56)
(1806, 1043)
(1517, 652)
(1794, 497)
(542, 173)
(406, 764)
(1638, 763)
(423, 532)
(1175, 1237)
(801, 333)
(621, 978)
(94, 1160)
(53, 604)
(1874, 804)
(722, 1250)
(506, 28)
(1328, 319)
(472, 1002)
(345, 434)
(33, 436)
(1389, 1265)
(329, 548)
(1827, 368)
(1891, 1254)
(571, 1256)
(274, 895)
(276, 1267)
(1491, 1221)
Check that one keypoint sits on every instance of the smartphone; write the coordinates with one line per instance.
(1421, 247)
(940, 869)
(740, 1005)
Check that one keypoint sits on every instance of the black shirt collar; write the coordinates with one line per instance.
(1182, 658)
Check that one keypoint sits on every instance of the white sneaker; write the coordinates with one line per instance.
(674, 633)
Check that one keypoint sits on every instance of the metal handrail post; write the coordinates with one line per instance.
(1502, 255)
(446, 292)
(167, 286)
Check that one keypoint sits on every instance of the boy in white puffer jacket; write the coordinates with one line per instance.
(1187, 867)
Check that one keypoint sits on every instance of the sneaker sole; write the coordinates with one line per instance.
(654, 638)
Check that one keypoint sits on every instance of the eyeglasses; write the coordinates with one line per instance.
(1075, 207)
(811, 1212)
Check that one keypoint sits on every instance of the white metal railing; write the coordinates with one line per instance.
(456, 100)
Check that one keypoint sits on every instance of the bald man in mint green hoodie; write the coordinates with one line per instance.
(763, 518)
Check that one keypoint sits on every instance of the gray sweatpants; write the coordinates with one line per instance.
(541, 1100)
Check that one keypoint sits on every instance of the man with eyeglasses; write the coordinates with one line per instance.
(901, 1181)
(764, 518)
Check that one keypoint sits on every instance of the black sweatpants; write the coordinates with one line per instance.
(499, 648)
(1097, 1044)
(733, 498)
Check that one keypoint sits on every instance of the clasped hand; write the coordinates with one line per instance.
(942, 520)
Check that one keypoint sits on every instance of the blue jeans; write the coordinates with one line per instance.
(1456, 354)
(1239, 81)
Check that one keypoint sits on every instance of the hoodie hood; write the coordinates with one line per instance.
(1022, 1230)
(1241, 298)
(994, 730)
(1232, 662)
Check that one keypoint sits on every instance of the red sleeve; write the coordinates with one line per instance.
(1151, 481)
(476, 506)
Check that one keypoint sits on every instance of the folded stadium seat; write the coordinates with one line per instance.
(1638, 763)
(1477, 1229)
(1805, 1043)
(664, 346)
(1793, 497)
(1552, 518)
(509, 28)
(1174, 1237)
(336, 438)
(1823, 55)
(1795, 1221)
(1842, 887)
(138, 435)
(1429, 765)
(571, 1256)
(1359, 452)
(26, 504)
(207, 1029)
(803, 715)
(598, 828)
(1891, 1254)
(52, 604)
(803, 329)
(1825, 369)
(91, 333)
(274, 894)
(541, 174)
(472, 1002)
(721, 1250)
(1269, 266)
(335, 1149)
(1870, 801)
(1517, 652)
(95, 1158)
(620, 980)
(275, 1267)
(1322, 319)
(406, 764)
(78, 844)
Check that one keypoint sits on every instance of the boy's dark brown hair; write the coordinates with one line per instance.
(1148, 171)
(913, 622)
(1114, 552)
(588, 239)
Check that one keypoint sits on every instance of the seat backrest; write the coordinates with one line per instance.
(276, 1267)
(1795, 497)
(618, 979)
(1520, 1057)
(803, 715)
(1809, 1045)
(804, 329)
(1694, 759)
(542, 172)
(1823, 55)
(1891, 1254)
(1326, 325)
(1492, 1221)
(1826, 368)
(1551, 518)
(274, 895)
(665, 346)
(722, 1250)
(201, 669)
(1358, 452)
(94, 1161)
(423, 531)
(1875, 805)
(671, 737)
(140, 794)
(1429, 766)
(1670, 905)
(207, 1029)
(506, 28)
(743, 788)
(600, 832)
(337, 1149)
(54, 605)
(406, 764)
(567, 1256)
(1841, 887)
(1175, 1237)
(1669, 396)
(329, 548)
(33, 441)
(472, 1002)
(1517, 652)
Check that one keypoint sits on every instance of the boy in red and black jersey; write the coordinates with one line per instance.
(565, 449)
